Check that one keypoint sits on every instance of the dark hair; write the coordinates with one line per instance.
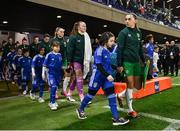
(24, 39)
(46, 35)
(134, 15)
(40, 48)
(148, 38)
(105, 37)
(55, 43)
(25, 50)
(12, 48)
(75, 28)
(35, 37)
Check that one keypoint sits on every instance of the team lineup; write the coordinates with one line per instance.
(69, 62)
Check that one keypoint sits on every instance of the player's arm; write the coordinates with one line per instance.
(44, 68)
(33, 67)
(13, 63)
(70, 49)
(121, 42)
(98, 61)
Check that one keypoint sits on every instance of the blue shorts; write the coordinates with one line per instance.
(98, 80)
(53, 80)
(38, 81)
(25, 76)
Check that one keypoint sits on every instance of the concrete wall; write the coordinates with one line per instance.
(94, 9)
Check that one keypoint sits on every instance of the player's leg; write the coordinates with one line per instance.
(53, 87)
(35, 84)
(41, 89)
(176, 67)
(130, 70)
(24, 81)
(88, 97)
(108, 88)
(94, 86)
(135, 84)
(71, 88)
(66, 81)
(79, 79)
(19, 80)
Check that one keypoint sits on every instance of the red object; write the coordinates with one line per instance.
(133, 114)
(153, 86)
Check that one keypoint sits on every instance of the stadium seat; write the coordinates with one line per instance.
(152, 86)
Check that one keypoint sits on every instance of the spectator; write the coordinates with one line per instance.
(24, 44)
(33, 48)
(45, 43)
(174, 58)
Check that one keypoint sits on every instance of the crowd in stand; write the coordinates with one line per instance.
(146, 10)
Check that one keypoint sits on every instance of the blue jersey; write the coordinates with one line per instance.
(37, 64)
(150, 49)
(25, 64)
(16, 61)
(10, 57)
(53, 62)
(103, 56)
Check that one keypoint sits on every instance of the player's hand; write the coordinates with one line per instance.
(120, 69)
(33, 76)
(110, 78)
(70, 66)
(44, 77)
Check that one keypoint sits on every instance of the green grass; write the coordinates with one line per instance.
(22, 113)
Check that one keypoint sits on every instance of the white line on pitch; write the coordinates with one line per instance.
(174, 123)
(176, 84)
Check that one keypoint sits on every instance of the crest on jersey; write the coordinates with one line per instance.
(138, 35)
(95, 85)
(129, 35)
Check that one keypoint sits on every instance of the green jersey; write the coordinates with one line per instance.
(129, 46)
(75, 49)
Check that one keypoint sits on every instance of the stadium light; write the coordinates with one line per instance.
(99, 35)
(169, 1)
(5, 22)
(104, 26)
(59, 16)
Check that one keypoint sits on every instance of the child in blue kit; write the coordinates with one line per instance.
(10, 57)
(25, 64)
(37, 81)
(102, 77)
(17, 68)
(52, 66)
